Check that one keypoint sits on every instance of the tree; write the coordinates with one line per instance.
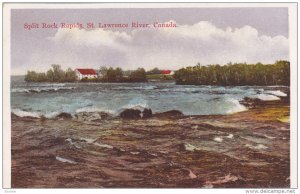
(118, 74)
(50, 75)
(70, 75)
(59, 74)
(153, 71)
(55, 74)
(138, 75)
(113, 75)
(236, 74)
(33, 76)
(103, 73)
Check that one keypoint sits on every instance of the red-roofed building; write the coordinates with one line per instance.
(85, 73)
(166, 72)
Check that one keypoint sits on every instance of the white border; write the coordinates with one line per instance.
(140, 5)
(6, 63)
(293, 39)
(6, 99)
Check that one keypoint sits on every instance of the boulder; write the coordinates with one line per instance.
(64, 115)
(131, 114)
(147, 113)
(105, 115)
(14, 116)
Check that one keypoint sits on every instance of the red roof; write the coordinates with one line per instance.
(165, 71)
(87, 71)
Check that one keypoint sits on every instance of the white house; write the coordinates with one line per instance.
(85, 73)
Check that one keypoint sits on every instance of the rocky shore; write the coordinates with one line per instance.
(140, 149)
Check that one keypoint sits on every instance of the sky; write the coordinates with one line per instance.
(202, 35)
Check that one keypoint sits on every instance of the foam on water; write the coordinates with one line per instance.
(218, 139)
(135, 153)
(277, 93)
(236, 107)
(190, 147)
(136, 103)
(230, 136)
(88, 140)
(19, 90)
(22, 113)
(61, 159)
(95, 109)
(48, 84)
(270, 137)
(265, 97)
(145, 87)
(104, 145)
(51, 115)
(49, 100)
(40, 89)
(257, 147)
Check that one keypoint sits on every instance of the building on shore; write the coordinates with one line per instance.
(166, 72)
(86, 74)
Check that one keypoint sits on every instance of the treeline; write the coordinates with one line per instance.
(57, 74)
(236, 74)
(118, 75)
(153, 71)
(54, 74)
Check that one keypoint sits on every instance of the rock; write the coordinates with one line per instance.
(64, 115)
(251, 102)
(14, 116)
(130, 114)
(105, 115)
(147, 113)
(43, 118)
(171, 113)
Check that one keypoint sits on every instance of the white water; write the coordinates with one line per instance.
(277, 93)
(265, 97)
(65, 160)
(257, 147)
(236, 107)
(230, 136)
(104, 145)
(190, 147)
(40, 89)
(218, 139)
(22, 113)
(49, 100)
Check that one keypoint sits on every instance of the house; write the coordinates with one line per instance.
(85, 73)
(166, 72)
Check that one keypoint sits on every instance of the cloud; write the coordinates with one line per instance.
(90, 38)
(171, 48)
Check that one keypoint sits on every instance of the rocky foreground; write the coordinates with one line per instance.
(247, 149)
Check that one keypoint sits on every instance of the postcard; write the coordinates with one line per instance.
(150, 95)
